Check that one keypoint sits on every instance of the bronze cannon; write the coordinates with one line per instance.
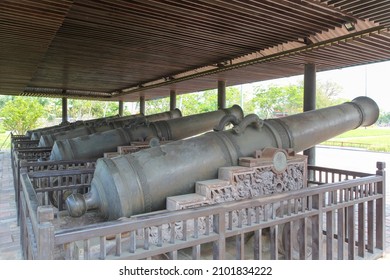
(48, 139)
(140, 182)
(37, 133)
(95, 145)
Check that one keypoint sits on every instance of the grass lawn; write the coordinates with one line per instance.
(374, 139)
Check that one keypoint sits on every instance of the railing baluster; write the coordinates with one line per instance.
(240, 246)
(118, 244)
(296, 205)
(303, 242)
(160, 235)
(317, 227)
(184, 230)
(287, 240)
(196, 252)
(240, 218)
(351, 232)
(172, 232)
(380, 207)
(219, 246)
(69, 251)
(207, 221)
(288, 206)
(230, 220)
(340, 233)
(329, 235)
(103, 248)
(248, 216)
(146, 238)
(361, 230)
(133, 242)
(87, 248)
(258, 245)
(258, 214)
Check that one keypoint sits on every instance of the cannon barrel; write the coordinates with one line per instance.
(41, 129)
(141, 182)
(95, 145)
(47, 140)
(36, 134)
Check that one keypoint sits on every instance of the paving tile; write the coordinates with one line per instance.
(9, 230)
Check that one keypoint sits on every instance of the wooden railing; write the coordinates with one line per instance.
(347, 144)
(340, 217)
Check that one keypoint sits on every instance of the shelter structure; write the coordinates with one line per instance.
(127, 50)
(139, 50)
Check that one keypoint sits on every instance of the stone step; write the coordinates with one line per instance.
(185, 201)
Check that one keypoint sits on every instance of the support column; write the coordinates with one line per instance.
(120, 109)
(142, 104)
(309, 101)
(172, 100)
(64, 110)
(221, 94)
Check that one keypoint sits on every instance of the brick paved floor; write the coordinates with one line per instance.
(9, 230)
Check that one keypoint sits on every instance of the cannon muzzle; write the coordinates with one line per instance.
(140, 182)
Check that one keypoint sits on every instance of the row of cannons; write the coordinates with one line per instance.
(174, 162)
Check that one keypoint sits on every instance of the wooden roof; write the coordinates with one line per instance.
(119, 50)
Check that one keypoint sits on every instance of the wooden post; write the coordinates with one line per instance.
(309, 101)
(64, 110)
(380, 207)
(120, 109)
(317, 227)
(172, 100)
(221, 94)
(142, 105)
(219, 246)
(45, 238)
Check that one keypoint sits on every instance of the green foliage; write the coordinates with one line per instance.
(157, 106)
(194, 103)
(267, 102)
(21, 114)
(4, 99)
(88, 109)
(384, 119)
(277, 99)
(327, 94)
(198, 102)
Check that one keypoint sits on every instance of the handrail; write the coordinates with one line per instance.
(274, 213)
(154, 219)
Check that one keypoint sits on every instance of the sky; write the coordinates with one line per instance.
(372, 80)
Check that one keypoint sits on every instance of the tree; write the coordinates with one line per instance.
(88, 109)
(4, 99)
(157, 106)
(384, 119)
(327, 94)
(276, 99)
(198, 102)
(21, 114)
